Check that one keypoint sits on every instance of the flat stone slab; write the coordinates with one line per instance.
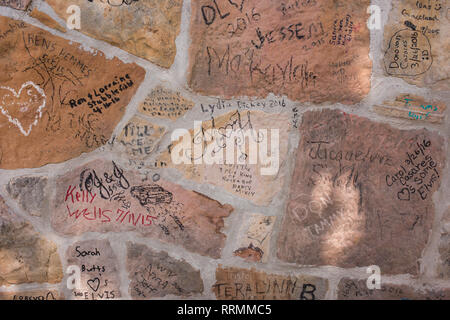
(350, 289)
(242, 284)
(16, 4)
(156, 274)
(36, 295)
(31, 193)
(99, 270)
(57, 100)
(25, 255)
(361, 194)
(103, 197)
(444, 248)
(254, 237)
(208, 153)
(416, 43)
(147, 29)
(165, 104)
(414, 108)
(138, 139)
(310, 51)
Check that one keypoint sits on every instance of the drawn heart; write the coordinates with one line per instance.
(239, 7)
(404, 194)
(94, 284)
(23, 108)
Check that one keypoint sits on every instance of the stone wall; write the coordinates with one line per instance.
(90, 123)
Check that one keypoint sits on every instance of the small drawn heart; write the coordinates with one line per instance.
(404, 194)
(23, 108)
(94, 284)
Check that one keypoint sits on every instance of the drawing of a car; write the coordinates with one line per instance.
(151, 194)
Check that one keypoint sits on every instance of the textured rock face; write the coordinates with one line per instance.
(103, 197)
(156, 274)
(99, 272)
(444, 248)
(147, 29)
(241, 151)
(30, 192)
(16, 4)
(56, 100)
(417, 43)
(25, 256)
(414, 108)
(127, 143)
(165, 104)
(313, 51)
(255, 235)
(242, 284)
(39, 295)
(357, 201)
(138, 139)
(349, 289)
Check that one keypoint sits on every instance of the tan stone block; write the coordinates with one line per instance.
(258, 181)
(31, 194)
(99, 270)
(416, 43)
(255, 235)
(361, 194)
(156, 274)
(350, 289)
(56, 99)
(138, 139)
(147, 29)
(35, 295)
(315, 51)
(243, 284)
(16, 4)
(26, 256)
(444, 248)
(103, 197)
(413, 108)
(165, 104)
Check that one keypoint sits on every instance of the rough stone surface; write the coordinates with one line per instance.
(16, 4)
(203, 155)
(444, 248)
(417, 43)
(313, 51)
(243, 284)
(357, 201)
(165, 104)
(351, 187)
(30, 193)
(414, 108)
(99, 270)
(25, 256)
(46, 93)
(350, 289)
(255, 235)
(138, 139)
(39, 295)
(87, 201)
(147, 29)
(156, 274)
